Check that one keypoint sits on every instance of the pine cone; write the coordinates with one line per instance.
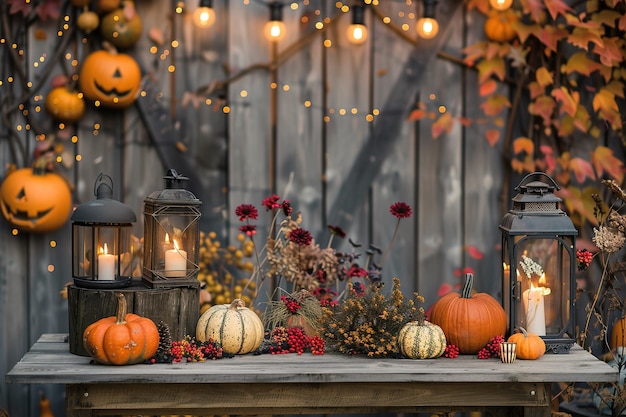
(163, 354)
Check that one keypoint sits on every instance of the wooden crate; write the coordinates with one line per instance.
(178, 307)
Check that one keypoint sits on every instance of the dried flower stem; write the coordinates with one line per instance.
(605, 263)
(393, 238)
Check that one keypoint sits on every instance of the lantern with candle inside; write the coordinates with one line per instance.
(171, 235)
(102, 253)
(539, 263)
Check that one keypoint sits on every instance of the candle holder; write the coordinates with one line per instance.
(539, 264)
(101, 250)
(171, 235)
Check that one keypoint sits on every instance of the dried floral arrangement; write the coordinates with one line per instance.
(367, 321)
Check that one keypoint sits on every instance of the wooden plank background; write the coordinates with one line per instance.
(344, 170)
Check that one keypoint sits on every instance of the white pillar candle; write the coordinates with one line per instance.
(535, 311)
(175, 262)
(106, 266)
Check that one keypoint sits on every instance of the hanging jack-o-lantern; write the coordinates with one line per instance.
(121, 29)
(65, 105)
(34, 200)
(110, 79)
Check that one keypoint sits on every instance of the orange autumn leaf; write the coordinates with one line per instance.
(544, 77)
(581, 37)
(543, 106)
(535, 8)
(548, 155)
(579, 63)
(416, 115)
(579, 201)
(465, 121)
(621, 24)
(565, 126)
(488, 67)
(523, 30)
(568, 103)
(535, 89)
(582, 169)
(487, 87)
(493, 136)
(474, 52)
(482, 5)
(606, 106)
(523, 144)
(525, 165)
(550, 36)
(610, 52)
(441, 125)
(494, 104)
(582, 121)
(605, 161)
(607, 17)
(616, 87)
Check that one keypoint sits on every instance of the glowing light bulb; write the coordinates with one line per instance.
(204, 16)
(501, 4)
(357, 34)
(427, 27)
(275, 28)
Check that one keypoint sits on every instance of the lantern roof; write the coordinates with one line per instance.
(104, 209)
(536, 210)
(174, 192)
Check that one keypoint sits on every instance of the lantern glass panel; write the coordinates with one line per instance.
(113, 258)
(543, 284)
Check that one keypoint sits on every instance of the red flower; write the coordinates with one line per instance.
(300, 236)
(246, 211)
(248, 229)
(337, 231)
(271, 202)
(286, 206)
(401, 210)
(356, 271)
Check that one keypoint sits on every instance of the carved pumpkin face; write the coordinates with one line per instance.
(112, 80)
(35, 202)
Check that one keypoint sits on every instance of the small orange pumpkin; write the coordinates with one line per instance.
(110, 79)
(498, 26)
(35, 200)
(529, 345)
(123, 339)
(618, 334)
(468, 320)
(65, 105)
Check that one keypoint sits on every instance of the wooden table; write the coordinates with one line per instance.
(307, 384)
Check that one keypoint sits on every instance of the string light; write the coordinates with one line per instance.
(204, 16)
(357, 32)
(501, 4)
(275, 28)
(427, 25)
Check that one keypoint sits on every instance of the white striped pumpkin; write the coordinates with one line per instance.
(421, 340)
(237, 328)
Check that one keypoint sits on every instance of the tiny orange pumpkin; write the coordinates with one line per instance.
(498, 26)
(123, 339)
(529, 345)
(65, 105)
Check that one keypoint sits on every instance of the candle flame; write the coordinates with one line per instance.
(175, 245)
(544, 290)
(103, 251)
(167, 238)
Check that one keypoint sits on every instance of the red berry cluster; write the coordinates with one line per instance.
(189, 350)
(492, 349)
(452, 351)
(294, 340)
(292, 305)
(584, 257)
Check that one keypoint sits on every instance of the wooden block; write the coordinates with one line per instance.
(178, 307)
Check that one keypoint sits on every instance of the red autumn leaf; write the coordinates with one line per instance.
(20, 6)
(523, 144)
(605, 161)
(49, 9)
(533, 7)
(579, 63)
(474, 52)
(582, 119)
(610, 53)
(548, 155)
(498, 121)
(535, 89)
(497, 49)
(444, 289)
(475, 253)
(492, 136)
(557, 7)
(494, 104)
(488, 67)
(465, 121)
(568, 103)
(441, 125)
(550, 36)
(543, 106)
(416, 115)
(582, 169)
(621, 24)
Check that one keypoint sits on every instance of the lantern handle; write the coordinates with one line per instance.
(103, 187)
(536, 173)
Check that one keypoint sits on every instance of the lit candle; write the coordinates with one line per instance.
(175, 262)
(106, 266)
(535, 311)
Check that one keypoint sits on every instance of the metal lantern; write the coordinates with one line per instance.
(171, 235)
(539, 264)
(102, 253)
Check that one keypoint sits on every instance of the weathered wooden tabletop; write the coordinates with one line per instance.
(286, 384)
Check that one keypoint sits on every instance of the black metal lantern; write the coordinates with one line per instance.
(539, 264)
(101, 246)
(171, 235)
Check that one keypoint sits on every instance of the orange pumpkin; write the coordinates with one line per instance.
(498, 26)
(65, 105)
(468, 320)
(110, 79)
(618, 334)
(105, 6)
(35, 200)
(123, 339)
(529, 345)
(120, 29)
